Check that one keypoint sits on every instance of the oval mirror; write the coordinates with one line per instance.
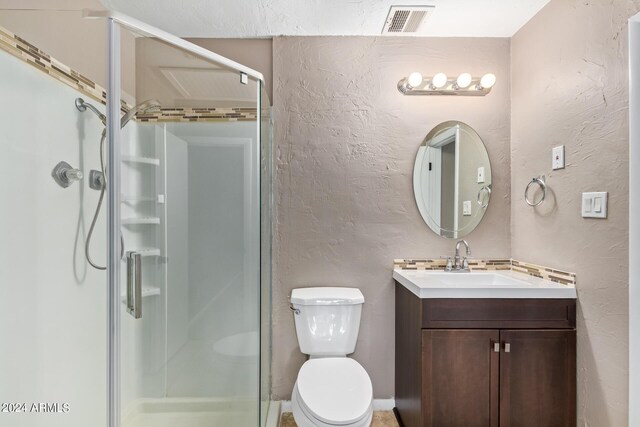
(452, 179)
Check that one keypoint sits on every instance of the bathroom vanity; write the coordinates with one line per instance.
(484, 349)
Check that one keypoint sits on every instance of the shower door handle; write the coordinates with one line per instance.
(134, 284)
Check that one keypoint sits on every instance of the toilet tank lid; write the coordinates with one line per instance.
(326, 296)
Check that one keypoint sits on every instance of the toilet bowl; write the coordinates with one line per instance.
(332, 391)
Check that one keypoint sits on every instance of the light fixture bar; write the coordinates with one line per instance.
(439, 84)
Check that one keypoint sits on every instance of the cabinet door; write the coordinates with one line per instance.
(538, 378)
(460, 378)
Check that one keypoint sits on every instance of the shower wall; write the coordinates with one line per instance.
(52, 304)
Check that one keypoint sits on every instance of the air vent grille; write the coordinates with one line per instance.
(398, 21)
(406, 20)
(414, 21)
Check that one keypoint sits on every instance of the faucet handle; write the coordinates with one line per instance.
(449, 264)
(465, 264)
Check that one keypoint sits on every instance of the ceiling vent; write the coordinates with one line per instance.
(406, 20)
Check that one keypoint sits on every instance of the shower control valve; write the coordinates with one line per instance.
(65, 175)
(96, 180)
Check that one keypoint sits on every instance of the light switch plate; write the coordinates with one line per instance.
(466, 208)
(558, 158)
(594, 205)
(481, 175)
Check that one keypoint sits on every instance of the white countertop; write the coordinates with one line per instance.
(480, 284)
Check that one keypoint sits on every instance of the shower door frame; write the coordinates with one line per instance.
(634, 219)
(115, 22)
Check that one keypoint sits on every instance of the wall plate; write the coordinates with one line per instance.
(558, 157)
(466, 208)
(481, 175)
(594, 205)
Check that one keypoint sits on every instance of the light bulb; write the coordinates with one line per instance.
(464, 80)
(415, 79)
(439, 80)
(487, 81)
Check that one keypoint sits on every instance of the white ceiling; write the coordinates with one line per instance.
(267, 18)
(57, 5)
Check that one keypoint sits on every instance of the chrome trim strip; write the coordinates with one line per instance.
(113, 225)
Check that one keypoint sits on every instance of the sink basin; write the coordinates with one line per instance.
(483, 284)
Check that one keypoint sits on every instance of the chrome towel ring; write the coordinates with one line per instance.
(540, 181)
(487, 189)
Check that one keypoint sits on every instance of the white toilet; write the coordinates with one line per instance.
(331, 389)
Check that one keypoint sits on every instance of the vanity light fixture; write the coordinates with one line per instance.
(414, 80)
(440, 84)
(463, 81)
(487, 81)
(439, 81)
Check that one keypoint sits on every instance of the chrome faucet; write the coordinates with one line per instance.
(464, 265)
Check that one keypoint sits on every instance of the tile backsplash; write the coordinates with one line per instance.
(552, 274)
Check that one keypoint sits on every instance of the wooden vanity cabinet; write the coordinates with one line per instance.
(485, 362)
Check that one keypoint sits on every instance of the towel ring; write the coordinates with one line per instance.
(543, 186)
(488, 190)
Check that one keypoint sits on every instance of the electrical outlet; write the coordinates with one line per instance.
(558, 158)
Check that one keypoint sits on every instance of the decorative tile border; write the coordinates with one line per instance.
(201, 115)
(542, 272)
(547, 273)
(22, 49)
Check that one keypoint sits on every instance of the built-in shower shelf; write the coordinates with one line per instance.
(147, 252)
(137, 159)
(142, 220)
(130, 199)
(147, 291)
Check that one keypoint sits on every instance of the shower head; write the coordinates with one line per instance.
(148, 106)
(144, 107)
(81, 105)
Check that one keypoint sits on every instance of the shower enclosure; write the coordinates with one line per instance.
(182, 161)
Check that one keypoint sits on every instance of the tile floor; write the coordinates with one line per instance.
(380, 419)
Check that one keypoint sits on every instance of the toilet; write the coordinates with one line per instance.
(331, 389)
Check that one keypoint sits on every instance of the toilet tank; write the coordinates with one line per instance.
(327, 319)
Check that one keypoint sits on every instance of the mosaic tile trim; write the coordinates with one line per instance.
(22, 49)
(441, 263)
(547, 273)
(201, 115)
(554, 275)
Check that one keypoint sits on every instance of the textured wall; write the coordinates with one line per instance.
(569, 86)
(345, 142)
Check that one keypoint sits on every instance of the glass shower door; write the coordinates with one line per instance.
(190, 218)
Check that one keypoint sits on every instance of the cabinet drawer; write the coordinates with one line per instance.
(499, 313)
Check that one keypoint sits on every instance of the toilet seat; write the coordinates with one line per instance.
(334, 391)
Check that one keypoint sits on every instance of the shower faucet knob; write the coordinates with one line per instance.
(65, 175)
(73, 174)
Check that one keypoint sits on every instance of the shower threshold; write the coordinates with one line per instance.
(192, 412)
